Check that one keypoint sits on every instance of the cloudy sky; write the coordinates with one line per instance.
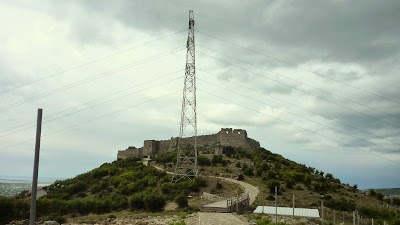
(315, 81)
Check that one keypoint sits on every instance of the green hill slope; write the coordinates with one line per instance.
(129, 185)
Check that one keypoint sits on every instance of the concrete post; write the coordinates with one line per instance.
(322, 211)
(276, 205)
(334, 217)
(293, 205)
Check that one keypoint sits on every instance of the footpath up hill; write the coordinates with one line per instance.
(310, 186)
(126, 186)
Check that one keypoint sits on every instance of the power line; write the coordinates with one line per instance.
(279, 99)
(311, 131)
(93, 78)
(92, 106)
(294, 114)
(292, 64)
(96, 118)
(300, 90)
(86, 103)
(320, 89)
(91, 62)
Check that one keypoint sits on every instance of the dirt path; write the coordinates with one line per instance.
(248, 188)
(205, 218)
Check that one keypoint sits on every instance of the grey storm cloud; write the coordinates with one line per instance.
(360, 31)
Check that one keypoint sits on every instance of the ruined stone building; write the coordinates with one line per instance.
(213, 143)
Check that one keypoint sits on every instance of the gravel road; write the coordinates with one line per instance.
(205, 218)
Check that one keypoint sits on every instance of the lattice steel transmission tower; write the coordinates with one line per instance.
(186, 163)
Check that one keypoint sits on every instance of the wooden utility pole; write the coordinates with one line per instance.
(32, 217)
(354, 217)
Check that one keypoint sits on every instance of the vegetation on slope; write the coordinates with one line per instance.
(128, 184)
(310, 186)
(123, 184)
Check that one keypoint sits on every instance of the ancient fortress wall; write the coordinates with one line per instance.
(236, 138)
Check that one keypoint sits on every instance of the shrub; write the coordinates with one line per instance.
(290, 183)
(218, 185)
(271, 198)
(341, 204)
(136, 202)
(181, 200)
(379, 196)
(216, 159)
(272, 184)
(154, 201)
(249, 171)
(203, 161)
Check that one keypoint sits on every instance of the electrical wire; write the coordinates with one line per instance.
(279, 99)
(299, 67)
(86, 103)
(92, 61)
(302, 117)
(93, 106)
(90, 120)
(299, 90)
(66, 87)
(303, 83)
(306, 129)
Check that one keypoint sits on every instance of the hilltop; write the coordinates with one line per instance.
(128, 186)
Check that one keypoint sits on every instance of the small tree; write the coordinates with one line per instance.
(218, 185)
(203, 161)
(136, 202)
(272, 184)
(154, 201)
(181, 200)
(290, 183)
(379, 196)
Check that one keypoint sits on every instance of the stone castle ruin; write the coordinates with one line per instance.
(213, 143)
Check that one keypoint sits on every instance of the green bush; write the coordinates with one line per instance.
(272, 184)
(181, 200)
(395, 222)
(154, 201)
(178, 223)
(379, 196)
(263, 221)
(290, 183)
(216, 159)
(136, 202)
(203, 161)
(372, 212)
(218, 186)
(341, 204)
(249, 171)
